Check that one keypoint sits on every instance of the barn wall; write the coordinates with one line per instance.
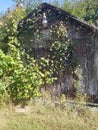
(87, 53)
(96, 64)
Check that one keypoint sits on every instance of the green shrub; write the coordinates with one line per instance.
(20, 81)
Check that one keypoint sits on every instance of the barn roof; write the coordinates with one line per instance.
(45, 7)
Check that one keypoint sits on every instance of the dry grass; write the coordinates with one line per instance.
(37, 116)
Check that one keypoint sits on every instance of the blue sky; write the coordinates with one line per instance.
(5, 4)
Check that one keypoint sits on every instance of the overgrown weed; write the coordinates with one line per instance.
(46, 116)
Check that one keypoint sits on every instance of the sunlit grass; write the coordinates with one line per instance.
(37, 116)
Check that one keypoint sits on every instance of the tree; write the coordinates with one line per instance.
(86, 10)
(91, 13)
(29, 5)
(8, 30)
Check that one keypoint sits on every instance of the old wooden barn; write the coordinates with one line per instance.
(37, 39)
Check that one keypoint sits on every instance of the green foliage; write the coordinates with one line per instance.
(86, 10)
(62, 58)
(8, 31)
(58, 58)
(29, 5)
(47, 73)
(20, 81)
(91, 11)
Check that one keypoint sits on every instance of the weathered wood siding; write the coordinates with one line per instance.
(87, 53)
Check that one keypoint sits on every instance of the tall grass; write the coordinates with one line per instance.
(37, 116)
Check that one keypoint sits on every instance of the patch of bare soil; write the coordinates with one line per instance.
(20, 109)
